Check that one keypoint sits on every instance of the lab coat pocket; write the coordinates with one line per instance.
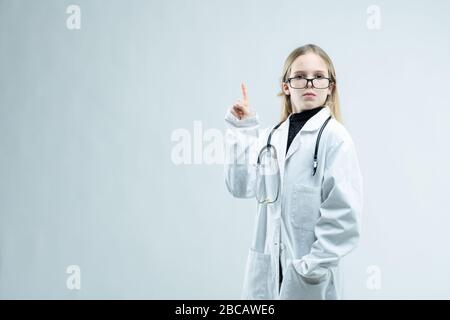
(298, 287)
(305, 206)
(257, 275)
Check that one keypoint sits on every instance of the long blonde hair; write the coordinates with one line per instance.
(332, 102)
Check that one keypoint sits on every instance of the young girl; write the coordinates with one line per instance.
(308, 208)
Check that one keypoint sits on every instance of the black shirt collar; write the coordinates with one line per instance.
(305, 114)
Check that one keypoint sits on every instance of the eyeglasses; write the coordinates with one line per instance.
(300, 82)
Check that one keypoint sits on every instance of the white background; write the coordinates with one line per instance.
(86, 119)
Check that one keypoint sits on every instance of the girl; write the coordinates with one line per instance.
(309, 206)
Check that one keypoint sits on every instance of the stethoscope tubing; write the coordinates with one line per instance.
(316, 150)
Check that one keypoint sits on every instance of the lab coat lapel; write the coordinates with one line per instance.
(280, 142)
(311, 126)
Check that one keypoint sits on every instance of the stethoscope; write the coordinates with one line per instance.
(270, 148)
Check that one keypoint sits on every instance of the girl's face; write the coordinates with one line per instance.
(309, 65)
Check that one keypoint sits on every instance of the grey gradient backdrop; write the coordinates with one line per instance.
(86, 119)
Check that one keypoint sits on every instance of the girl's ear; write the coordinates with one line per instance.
(330, 89)
(286, 89)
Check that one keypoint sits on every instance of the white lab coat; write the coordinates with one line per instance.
(314, 222)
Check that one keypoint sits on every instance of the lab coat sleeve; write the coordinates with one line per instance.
(338, 227)
(241, 140)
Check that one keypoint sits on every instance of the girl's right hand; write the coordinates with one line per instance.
(241, 109)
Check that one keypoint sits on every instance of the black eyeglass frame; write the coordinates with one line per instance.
(330, 82)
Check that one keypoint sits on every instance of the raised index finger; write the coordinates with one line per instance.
(244, 91)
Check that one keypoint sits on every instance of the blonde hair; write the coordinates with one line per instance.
(332, 102)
